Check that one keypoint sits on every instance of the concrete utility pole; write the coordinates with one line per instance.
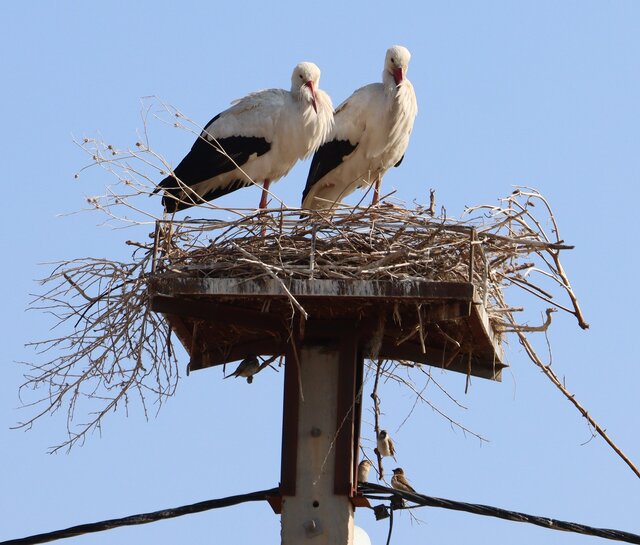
(312, 508)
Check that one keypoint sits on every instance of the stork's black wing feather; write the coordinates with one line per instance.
(232, 186)
(328, 157)
(400, 161)
(205, 161)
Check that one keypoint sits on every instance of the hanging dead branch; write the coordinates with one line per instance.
(112, 350)
(376, 414)
(550, 374)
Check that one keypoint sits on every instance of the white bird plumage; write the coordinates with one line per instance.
(363, 471)
(371, 134)
(385, 444)
(262, 135)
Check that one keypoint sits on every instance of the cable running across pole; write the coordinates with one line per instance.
(372, 490)
(143, 518)
(369, 490)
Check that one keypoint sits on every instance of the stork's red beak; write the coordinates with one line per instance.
(309, 84)
(397, 75)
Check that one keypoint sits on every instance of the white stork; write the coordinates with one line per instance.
(259, 138)
(370, 135)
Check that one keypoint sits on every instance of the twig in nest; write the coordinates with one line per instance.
(292, 299)
(508, 328)
(447, 336)
(432, 203)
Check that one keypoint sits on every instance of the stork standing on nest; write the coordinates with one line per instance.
(371, 134)
(258, 139)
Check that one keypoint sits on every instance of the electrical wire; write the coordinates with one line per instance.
(144, 518)
(390, 526)
(371, 490)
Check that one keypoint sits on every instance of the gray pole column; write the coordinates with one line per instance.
(314, 457)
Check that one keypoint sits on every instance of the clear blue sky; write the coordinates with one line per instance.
(541, 93)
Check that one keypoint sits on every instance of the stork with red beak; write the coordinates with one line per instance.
(257, 140)
(370, 135)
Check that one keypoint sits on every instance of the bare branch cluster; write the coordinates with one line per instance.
(136, 169)
(516, 219)
(111, 351)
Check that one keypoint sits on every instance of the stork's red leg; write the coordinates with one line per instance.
(376, 193)
(265, 193)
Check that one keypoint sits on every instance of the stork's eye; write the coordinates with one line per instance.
(393, 60)
(300, 76)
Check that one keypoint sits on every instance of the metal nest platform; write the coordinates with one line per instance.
(219, 320)
(409, 288)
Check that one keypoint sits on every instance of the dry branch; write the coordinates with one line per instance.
(112, 350)
(546, 369)
(376, 414)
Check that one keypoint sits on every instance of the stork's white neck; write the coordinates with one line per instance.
(389, 82)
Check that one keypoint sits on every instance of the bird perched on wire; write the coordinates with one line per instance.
(247, 368)
(385, 445)
(363, 471)
(257, 140)
(399, 481)
(370, 135)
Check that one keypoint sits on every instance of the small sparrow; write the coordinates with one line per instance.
(399, 481)
(247, 368)
(363, 471)
(385, 445)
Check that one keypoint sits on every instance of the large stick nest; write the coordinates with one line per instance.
(502, 245)
(387, 243)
